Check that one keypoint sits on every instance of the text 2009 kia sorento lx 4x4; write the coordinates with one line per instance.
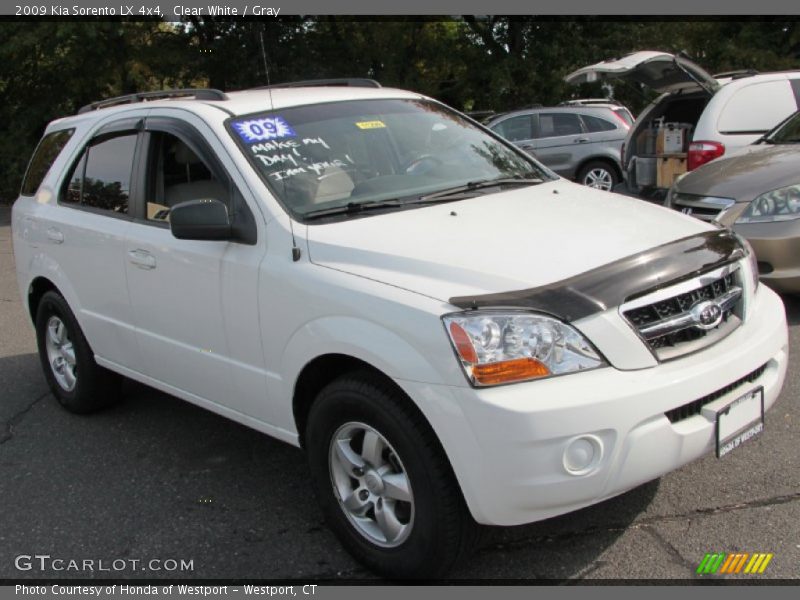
(453, 333)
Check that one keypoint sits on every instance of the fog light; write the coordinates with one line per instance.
(583, 454)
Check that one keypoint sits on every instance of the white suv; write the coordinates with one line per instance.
(454, 334)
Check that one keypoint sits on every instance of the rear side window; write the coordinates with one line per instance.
(43, 158)
(757, 108)
(558, 124)
(595, 124)
(102, 177)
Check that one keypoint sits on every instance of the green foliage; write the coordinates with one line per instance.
(473, 63)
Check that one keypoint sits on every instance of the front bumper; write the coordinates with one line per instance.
(507, 444)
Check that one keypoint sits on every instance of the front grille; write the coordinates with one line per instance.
(695, 408)
(701, 207)
(667, 324)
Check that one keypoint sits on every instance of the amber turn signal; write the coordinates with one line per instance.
(509, 370)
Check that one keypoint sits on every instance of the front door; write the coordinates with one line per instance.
(195, 302)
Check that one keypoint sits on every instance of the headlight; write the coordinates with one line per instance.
(782, 204)
(497, 347)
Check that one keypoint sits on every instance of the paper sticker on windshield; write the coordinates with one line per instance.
(370, 124)
(260, 130)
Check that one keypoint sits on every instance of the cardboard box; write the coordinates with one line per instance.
(669, 167)
(669, 140)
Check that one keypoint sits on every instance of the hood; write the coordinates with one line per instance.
(745, 174)
(660, 71)
(523, 238)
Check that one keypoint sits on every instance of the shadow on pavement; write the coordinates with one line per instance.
(792, 304)
(156, 477)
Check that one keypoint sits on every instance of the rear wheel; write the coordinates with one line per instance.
(383, 483)
(598, 174)
(76, 380)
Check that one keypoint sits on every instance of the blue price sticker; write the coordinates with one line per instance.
(260, 130)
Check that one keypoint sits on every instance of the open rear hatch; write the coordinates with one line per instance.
(655, 151)
(661, 71)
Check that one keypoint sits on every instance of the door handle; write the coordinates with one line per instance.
(142, 259)
(581, 140)
(54, 235)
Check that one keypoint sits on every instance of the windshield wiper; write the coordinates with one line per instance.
(472, 186)
(352, 208)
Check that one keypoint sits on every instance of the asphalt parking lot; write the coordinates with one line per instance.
(157, 478)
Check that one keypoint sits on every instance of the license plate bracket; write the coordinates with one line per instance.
(739, 420)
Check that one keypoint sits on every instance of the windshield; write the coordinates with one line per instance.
(786, 133)
(343, 154)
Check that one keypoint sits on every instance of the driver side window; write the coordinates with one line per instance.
(177, 174)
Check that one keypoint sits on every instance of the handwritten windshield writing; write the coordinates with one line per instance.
(317, 168)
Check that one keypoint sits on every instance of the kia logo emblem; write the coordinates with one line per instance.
(706, 314)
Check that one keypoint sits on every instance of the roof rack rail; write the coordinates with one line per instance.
(589, 102)
(197, 93)
(736, 74)
(344, 82)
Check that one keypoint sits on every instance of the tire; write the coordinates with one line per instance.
(430, 530)
(598, 174)
(79, 384)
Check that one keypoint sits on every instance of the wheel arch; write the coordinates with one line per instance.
(37, 288)
(604, 158)
(321, 371)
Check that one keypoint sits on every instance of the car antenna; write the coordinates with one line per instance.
(296, 252)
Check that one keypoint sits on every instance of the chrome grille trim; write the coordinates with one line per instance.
(690, 315)
(672, 324)
(705, 208)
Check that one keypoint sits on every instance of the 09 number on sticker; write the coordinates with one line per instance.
(267, 128)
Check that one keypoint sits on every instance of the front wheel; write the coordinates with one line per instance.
(598, 174)
(383, 483)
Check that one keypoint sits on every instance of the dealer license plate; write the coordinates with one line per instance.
(739, 421)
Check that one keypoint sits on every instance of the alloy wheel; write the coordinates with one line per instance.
(371, 484)
(599, 178)
(61, 354)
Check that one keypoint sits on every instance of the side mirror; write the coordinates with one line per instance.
(200, 220)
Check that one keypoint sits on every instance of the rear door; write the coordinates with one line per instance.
(605, 135)
(86, 232)
(561, 141)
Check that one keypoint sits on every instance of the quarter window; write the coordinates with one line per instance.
(102, 177)
(595, 124)
(43, 158)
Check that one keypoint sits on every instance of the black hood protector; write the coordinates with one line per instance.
(620, 281)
